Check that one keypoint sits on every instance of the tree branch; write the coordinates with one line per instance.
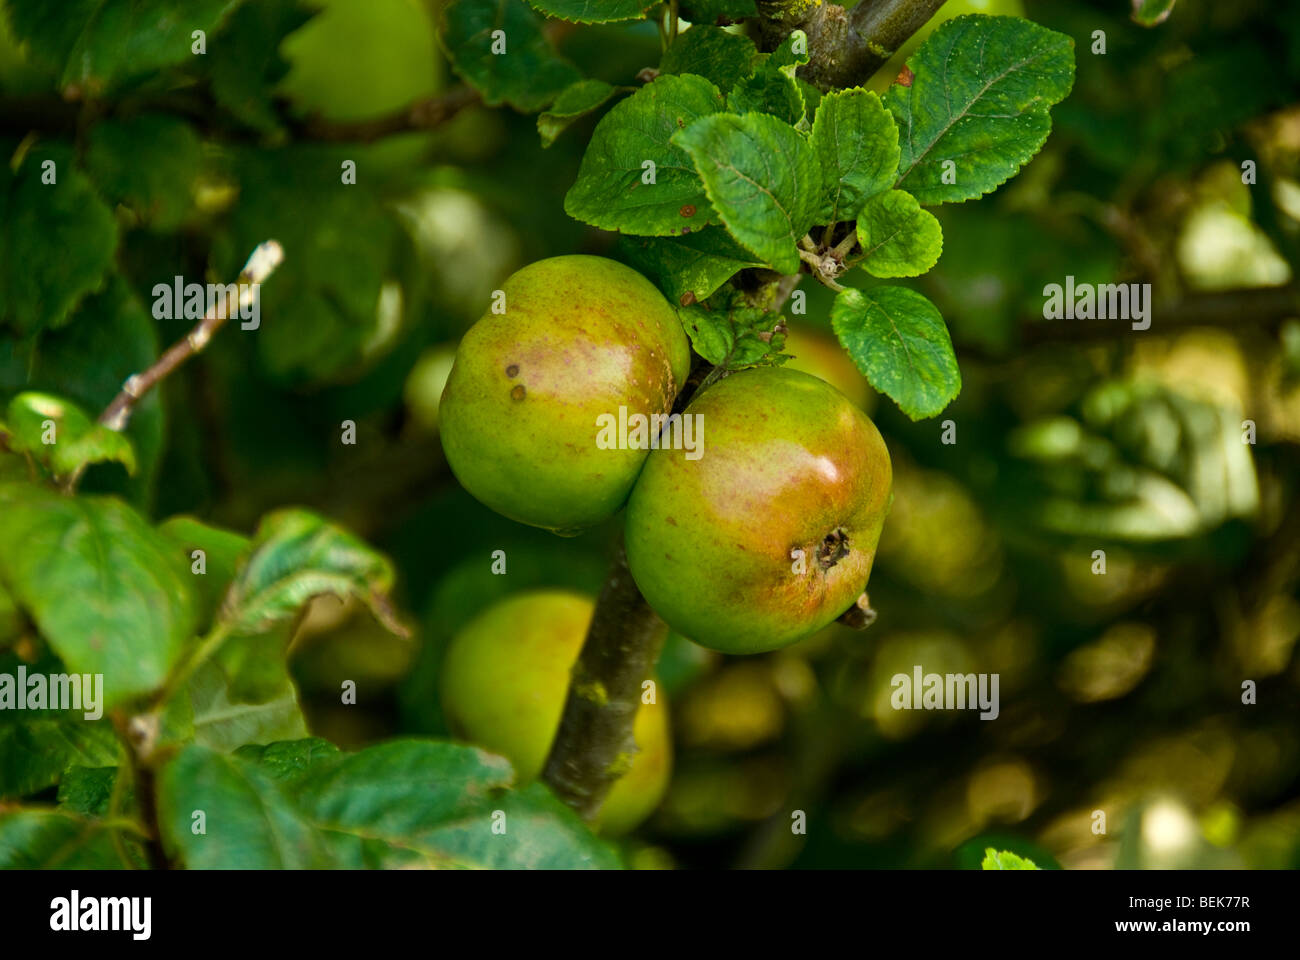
(57, 117)
(594, 745)
(421, 115)
(261, 264)
(845, 47)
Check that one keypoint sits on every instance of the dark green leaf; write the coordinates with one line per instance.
(763, 179)
(424, 803)
(856, 141)
(99, 44)
(690, 268)
(898, 340)
(110, 337)
(248, 821)
(711, 52)
(898, 238)
(35, 750)
(593, 11)
(53, 840)
(710, 11)
(978, 106)
(633, 178)
(327, 299)
(134, 610)
(245, 75)
(289, 760)
(528, 74)
(729, 332)
(75, 440)
(86, 791)
(37, 290)
(771, 87)
(149, 163)
(576, 101)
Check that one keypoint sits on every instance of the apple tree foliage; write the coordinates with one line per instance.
(719, 166)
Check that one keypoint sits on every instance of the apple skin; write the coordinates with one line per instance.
(504, 681)
(581, 337)
(787, 461)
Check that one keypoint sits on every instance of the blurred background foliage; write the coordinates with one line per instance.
(1120, 692)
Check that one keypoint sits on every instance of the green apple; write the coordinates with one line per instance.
(526, 409)
(358, 59)
(814, 352)
(769, 533)
(504, 682)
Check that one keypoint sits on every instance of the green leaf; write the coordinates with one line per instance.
(687, 269)
(224, 724)
(75, 440)
(425, 803)
(898, 238)
(633, 141)
(133, 611)
(713, 53)
(528, 75)
(289, 760)
(244, 77)
(1005, 860)
(250, 823)
(110, 337)
(297, 555)
(327, 299)
(149, 163)
(576, 101)
(763, 179)
(87, 791)
(856, 140)
(36, 750)
(35, 839)
(253, 664)
(38, 290)
(729, 332)
(1149, 13)
(593, 11)
(404, 803)
(222, 551)
(710, 11)
(100, 44)
(898, 340)
(772, 88)
(978, 106)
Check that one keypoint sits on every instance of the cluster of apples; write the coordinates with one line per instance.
(760, 536)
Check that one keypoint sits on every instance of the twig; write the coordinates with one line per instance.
(260, 265)
(421, 115)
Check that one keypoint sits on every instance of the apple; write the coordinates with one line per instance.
(579, 339)
(769, 535)
(504, 682)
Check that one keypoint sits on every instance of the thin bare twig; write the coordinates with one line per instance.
(260, 265)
